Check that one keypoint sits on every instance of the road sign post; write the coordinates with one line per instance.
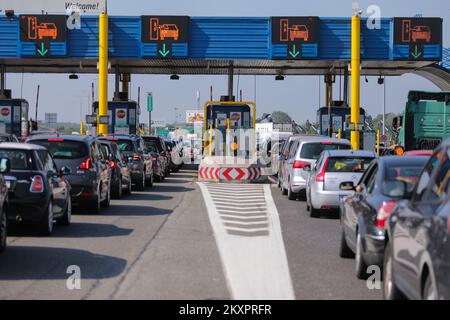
(150, 110)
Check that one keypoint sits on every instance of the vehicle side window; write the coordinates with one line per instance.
(425, 177)
(287, 146)
(41, 157)
(366, 176)
(104, 150)
(371, 182)
(441, 181)
(293, 150)
(49, 164)
(94, 153)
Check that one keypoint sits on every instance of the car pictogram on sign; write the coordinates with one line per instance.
(421, 33)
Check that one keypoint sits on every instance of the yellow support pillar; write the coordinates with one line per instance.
(356, 81)
(103, 73)
(339, 134)
(82, 128)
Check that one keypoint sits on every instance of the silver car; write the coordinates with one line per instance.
(331, 170)
(301, 151)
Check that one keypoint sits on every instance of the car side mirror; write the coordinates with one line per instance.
(347, 186)
(5, 165)
(65, 171)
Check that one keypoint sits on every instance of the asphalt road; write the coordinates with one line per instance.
(160, 244)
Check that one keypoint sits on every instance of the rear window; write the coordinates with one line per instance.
(151, 145)
(408, 174)
(64, 149)
(348, 164)
(313, 150)
(19, 159)
(125, 145)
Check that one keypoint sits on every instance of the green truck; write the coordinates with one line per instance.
(425, 122)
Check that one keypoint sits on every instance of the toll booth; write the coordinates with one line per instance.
(340, 119)
(122, 117)
(224, 123)
(14, 117)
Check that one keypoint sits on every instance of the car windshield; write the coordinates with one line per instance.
(313, 150)
(408, 174)
(348, 164)
(125, 145)
(19, 159)
(64, 149)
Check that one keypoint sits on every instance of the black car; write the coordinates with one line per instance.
(5, 185)
(364, 213)
(90, 174)
(157, 143)
(158, 164)
(120, 171)
(133, 147)
(5, 137)
(417, 257)
(41, 194)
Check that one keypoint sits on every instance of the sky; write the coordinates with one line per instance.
(297, 95)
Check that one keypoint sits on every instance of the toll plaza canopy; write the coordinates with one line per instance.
(208, 45)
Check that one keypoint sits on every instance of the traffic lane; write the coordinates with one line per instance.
(104, 246)
(312, 248)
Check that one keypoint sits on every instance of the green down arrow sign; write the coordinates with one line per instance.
(164, 52)
(416, 53)
(42, 51)
(294, 52)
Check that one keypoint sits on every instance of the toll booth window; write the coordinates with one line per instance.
(235, 120)
(221, 120)
(246, 120)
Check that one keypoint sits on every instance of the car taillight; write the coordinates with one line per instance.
(383, 213)
(86, 164)
(55, 140)
(300, 164)
(37, 184)
(154, 158)
(136, 157)
(112, 164)
(448, 225)
(321, 176)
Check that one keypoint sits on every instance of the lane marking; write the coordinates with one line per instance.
(247, 229)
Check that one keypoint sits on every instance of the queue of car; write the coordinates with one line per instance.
(394, 211)
(43, 179)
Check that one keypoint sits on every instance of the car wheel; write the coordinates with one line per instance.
(361, 267)
(3, 229)
(45, 226)
(140, 186)
(95, 205)
(429, 292)
(344, 249)
(291, 195)
(128, 190)
(107, 201)
(66, 219)
(390, 289)
(117, 194)
(149, 181)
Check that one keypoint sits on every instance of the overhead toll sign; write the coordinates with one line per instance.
(165, 36)
(39, 32)
(295, 38)
(417, 38)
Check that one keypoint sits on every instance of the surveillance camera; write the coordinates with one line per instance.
(9, 14)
